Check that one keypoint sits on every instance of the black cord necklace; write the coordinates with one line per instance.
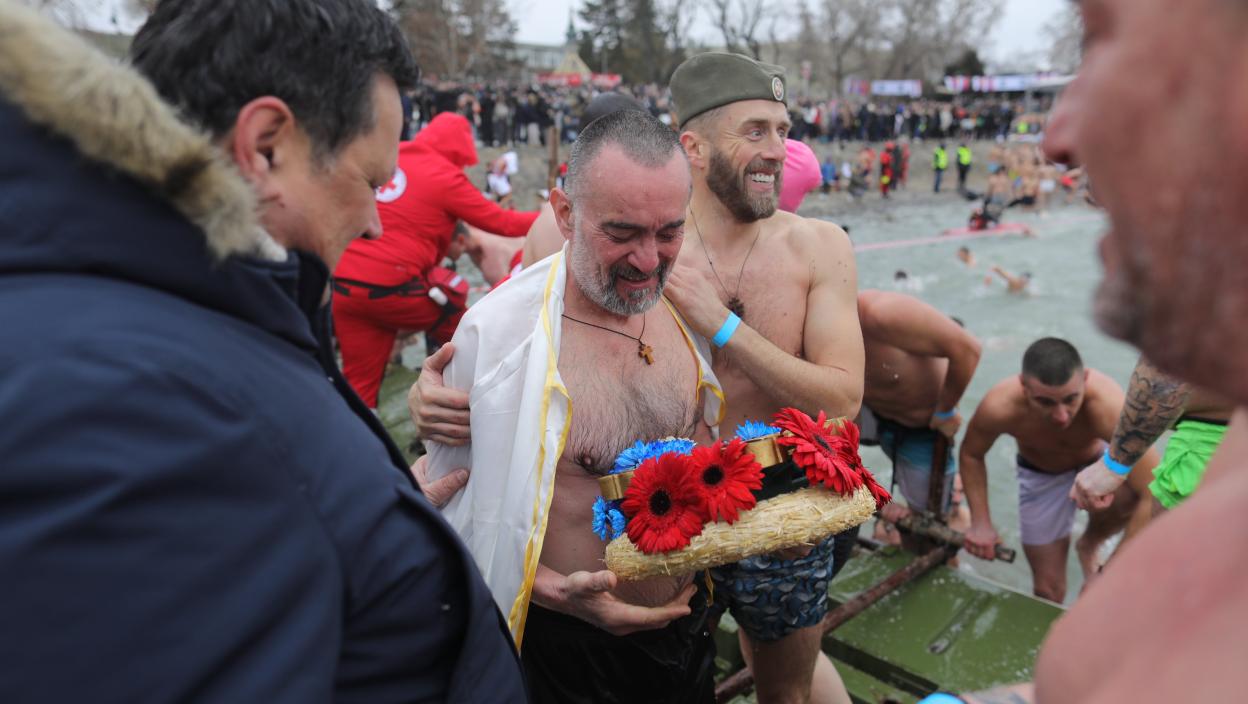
(734, 301)
(644, 351)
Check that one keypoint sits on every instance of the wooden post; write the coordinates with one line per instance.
(928, 527)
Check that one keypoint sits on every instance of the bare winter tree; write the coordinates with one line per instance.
(676, 18)
(928, 34)
(1065, 34)
(456, 38)
(739, 21)
(851, 29)
(673, 23)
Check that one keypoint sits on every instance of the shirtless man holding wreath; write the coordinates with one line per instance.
(748, 278)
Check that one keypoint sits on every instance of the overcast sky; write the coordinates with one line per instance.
(546, 22)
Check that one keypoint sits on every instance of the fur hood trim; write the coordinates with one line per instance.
(113, 115)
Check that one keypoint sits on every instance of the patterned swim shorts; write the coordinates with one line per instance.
(771, 598)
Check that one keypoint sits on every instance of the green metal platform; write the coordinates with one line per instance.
(947, 630)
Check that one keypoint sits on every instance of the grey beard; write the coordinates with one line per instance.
(600, 289)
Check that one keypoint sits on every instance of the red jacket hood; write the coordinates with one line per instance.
(450, 135)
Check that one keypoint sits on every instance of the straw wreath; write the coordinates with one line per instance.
(802, 517)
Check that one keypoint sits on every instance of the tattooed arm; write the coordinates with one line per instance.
(1154, 402)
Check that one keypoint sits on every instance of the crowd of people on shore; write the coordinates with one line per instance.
(205, 505)
(509, 115)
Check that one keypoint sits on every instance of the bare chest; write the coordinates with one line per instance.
(1057, 449)
(772, 288)
(618, 399)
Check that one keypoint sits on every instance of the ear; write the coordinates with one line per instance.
(264, 139)
(562, 207)
(1085, 376)
(696, 148)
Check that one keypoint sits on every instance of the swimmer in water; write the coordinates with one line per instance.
(966, 256)
(1014, 284)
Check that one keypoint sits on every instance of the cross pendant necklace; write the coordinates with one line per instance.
(734, 301)
(644, 351)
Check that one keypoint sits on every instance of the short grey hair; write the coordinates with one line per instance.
(642, 137)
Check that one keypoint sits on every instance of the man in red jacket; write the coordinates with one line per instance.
(394, 283)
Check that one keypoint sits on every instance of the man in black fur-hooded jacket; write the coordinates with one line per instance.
(193, 504)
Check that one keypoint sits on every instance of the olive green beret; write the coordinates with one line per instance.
(707, 81)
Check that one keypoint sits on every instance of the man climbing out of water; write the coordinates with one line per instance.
(919, 362)
(569, 363)
(1157, 402)
(1062, 415)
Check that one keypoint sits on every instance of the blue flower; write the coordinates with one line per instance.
(753, 430)
(618, 522)
(609, 522)
(680, 446)
(631, 457)
(602, 524)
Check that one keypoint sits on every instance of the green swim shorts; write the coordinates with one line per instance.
(1183, 465)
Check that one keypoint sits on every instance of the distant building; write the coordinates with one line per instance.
(536, 58)
(550, 59)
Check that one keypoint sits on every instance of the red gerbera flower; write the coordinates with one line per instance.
(664, 505)
(829, 458)
(879, 492)
(727, 475)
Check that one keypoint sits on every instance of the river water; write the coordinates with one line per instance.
(1062, 259)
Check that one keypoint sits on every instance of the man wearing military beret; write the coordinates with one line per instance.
(777, 294)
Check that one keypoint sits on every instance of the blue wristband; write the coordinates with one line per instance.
(942, 698)
(945, 415)
(1115, 466)
(725, 333)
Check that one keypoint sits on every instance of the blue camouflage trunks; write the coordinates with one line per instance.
(771, 598)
